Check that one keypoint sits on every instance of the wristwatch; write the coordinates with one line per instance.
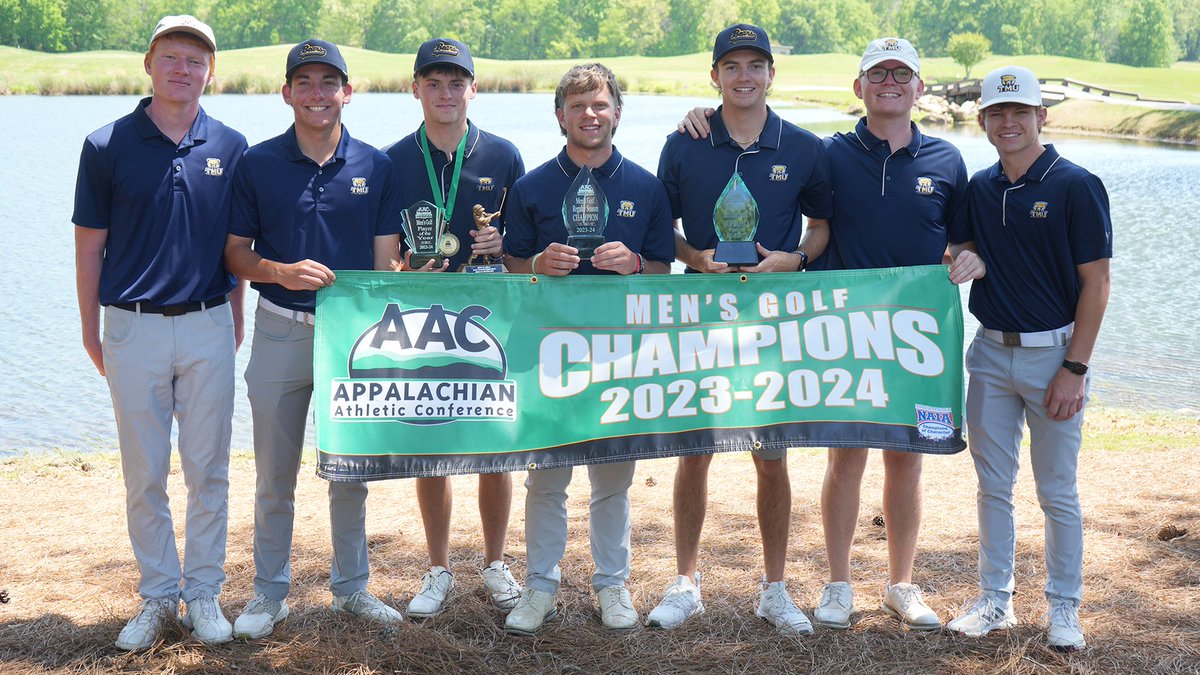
(1077, 367)
(803, 259)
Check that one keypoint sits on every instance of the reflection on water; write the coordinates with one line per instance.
(1147, 357)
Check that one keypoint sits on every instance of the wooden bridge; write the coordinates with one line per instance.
(1054, 90)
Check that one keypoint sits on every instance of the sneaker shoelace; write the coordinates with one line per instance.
(207, 609)
(620, 599)
(834, 596)
(1063, 614)
(908, 594)
(987, 610)
(151, 612)
(679, 597)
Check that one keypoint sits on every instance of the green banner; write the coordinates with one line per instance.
(438, 374)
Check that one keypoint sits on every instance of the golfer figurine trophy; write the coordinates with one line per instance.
(489, 265)
(585, 213)
(735, 218)
(426, 236)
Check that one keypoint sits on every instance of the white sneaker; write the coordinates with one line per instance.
(1065, 635)
(904, 602)
(435, 588)
(836, 606)
(207, 622)
(367, 606)
(144, 626)
(777, 608)
(259, 617)
(500, 585)
(680, 602)
(986, 615)
(616, 608)
(533, 609)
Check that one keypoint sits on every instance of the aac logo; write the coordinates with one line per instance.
(485, 184)
(626, 209)
(1008, 83)
(778, 172)
(924, 185)
(1039, 210)
(212, 167)
(358, 186)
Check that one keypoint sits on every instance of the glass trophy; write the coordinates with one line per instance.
(735, 218)
(585, 213)
(424, 231)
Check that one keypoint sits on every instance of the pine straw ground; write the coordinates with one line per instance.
(69, 575)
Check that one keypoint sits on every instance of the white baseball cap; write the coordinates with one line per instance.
(890, 49)
(185, 23)
(1010, 84)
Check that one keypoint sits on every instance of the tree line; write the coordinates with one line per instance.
(1134, 32)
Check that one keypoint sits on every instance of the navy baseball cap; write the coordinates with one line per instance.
(742, 36)
(315, 51)
(444, 51)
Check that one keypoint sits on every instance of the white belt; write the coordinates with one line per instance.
(1059, 337)
(305, 318)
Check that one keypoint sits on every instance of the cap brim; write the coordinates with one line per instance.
(760, 50)
(871, 63)
(196, 33)
(1021, 100)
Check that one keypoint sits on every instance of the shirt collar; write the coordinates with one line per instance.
(870, 141)
(771, 135)
(1035, 173)
(473, 136)
(198, 133)
(292, 147)
(608, 169)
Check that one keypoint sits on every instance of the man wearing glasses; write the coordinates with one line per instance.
(898, 196)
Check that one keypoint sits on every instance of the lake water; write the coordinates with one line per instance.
(1148, 354)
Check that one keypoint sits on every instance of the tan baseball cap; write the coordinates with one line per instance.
(185, 23)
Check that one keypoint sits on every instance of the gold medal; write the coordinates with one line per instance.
(448, 246)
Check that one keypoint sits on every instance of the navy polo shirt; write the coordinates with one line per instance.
(296, 210)
(490, 164)
(1031, 235)
(786, 171)
(637, 210)
(165, 206)
(893, 209)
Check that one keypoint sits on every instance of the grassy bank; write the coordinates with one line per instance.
(68, 572)
(822, 79)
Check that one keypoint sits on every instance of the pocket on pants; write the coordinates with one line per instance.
(119, 326)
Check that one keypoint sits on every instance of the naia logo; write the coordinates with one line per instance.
(626, 209)
(426, 365)
(358, 186)
(924, 185)
(935, 424)
(212, 167)
(486, 184)
(778, 172)
(1039, 210)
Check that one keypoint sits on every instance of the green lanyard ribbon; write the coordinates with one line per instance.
(447, 208)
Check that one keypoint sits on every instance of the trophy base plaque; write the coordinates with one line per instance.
(586, 245)
(416, 261)
(491, 268)
(739, 253)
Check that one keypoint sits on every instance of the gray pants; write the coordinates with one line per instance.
(546, 524)
(159, 367)
(279, 382)
(1006, 390)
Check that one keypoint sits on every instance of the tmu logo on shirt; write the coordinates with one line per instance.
(778, 172)
(1039, 210)
(626, 209)
(486, 184)
(212, 166)
(358, 186)
(924, 185)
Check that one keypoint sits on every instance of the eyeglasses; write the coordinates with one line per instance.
(901, 74)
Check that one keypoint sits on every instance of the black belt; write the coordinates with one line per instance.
(171, 310)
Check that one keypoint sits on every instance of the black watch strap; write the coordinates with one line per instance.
(1077, 367)
(803, 260)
